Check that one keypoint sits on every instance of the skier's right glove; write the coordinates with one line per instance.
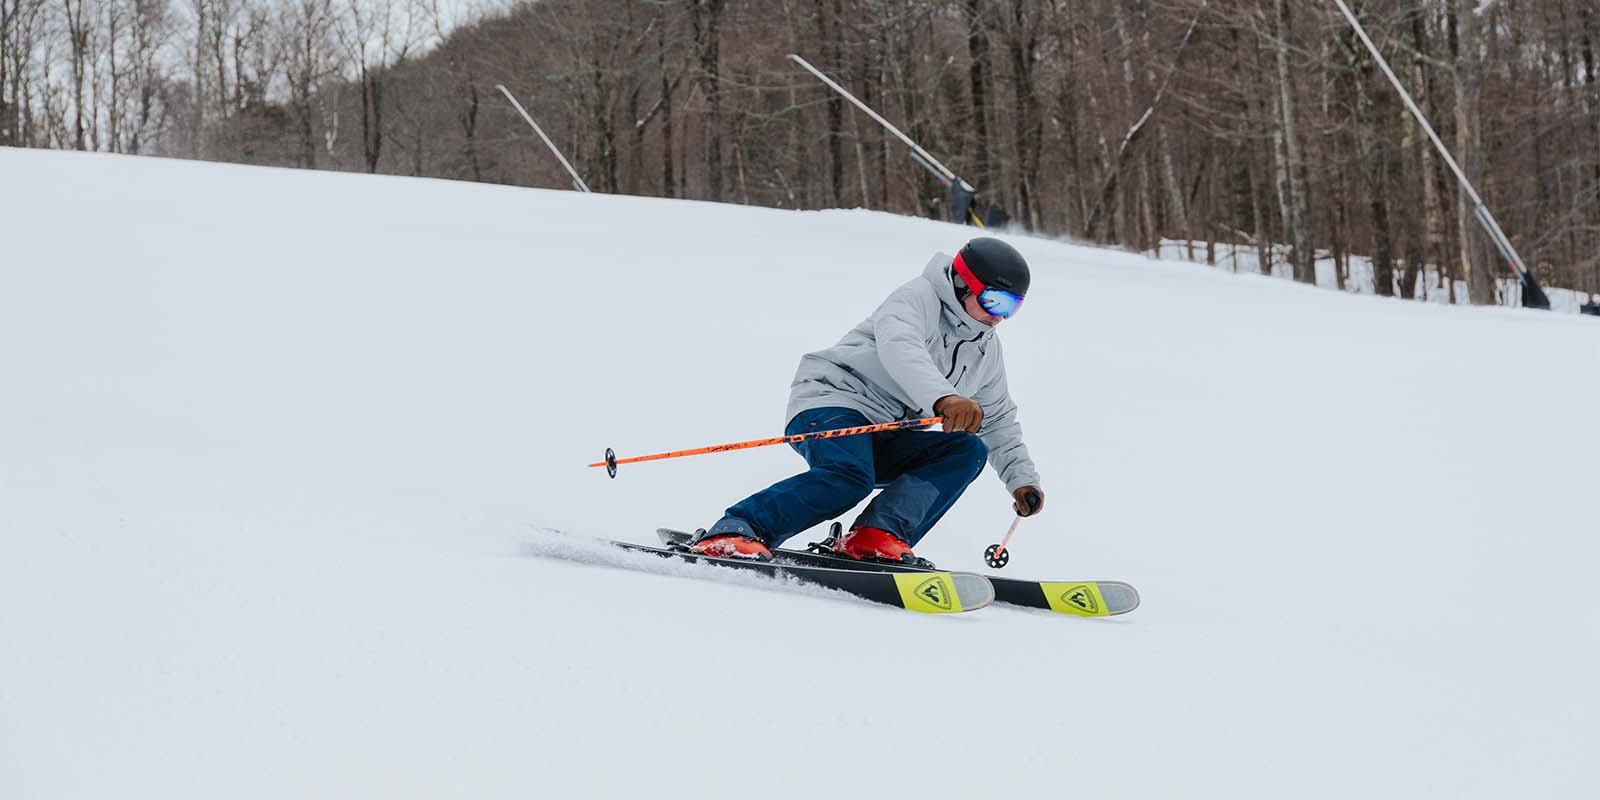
(960, 413)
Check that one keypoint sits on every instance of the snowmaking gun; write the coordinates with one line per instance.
(577, 180)
(1533, 295)
(964, 199)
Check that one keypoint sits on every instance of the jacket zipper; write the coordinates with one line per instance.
(956, 356)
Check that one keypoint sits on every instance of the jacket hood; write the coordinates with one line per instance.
(941, 273)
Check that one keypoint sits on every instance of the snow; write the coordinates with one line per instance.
(281, 454)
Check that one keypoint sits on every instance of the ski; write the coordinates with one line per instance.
(928, 591)
(1076, 598)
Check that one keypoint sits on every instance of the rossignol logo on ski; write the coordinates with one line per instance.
(1081, 597)
(935, 592)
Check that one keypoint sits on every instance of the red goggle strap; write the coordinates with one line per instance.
(973, 284)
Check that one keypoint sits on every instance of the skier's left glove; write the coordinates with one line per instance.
(1029, 500)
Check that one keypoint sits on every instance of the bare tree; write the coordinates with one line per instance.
(21, 32)
(1023, 41)
(8, 111)
(706, 18)
(1294, 167)
(1469, 148)
(305, 41)
(375, 34)
(79, 27)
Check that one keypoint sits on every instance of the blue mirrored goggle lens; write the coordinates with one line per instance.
(999, 303)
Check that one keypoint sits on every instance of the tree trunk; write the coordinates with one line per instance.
(469, 128)
(1381, 167)
(707, 19)
(600, 122)
(978, 77)
(8, 112)
(371, 118)
(669, 184)
(113, 107)
(1429, 247)
(878, 74)
(1256, 162)
(1024, 44)
(78, 39)
(1591, 70)
(1302, 254)
(1475, 262)
(800, 154)
(1375, 112)
(1169, 171)
(303, 111)
(827, 24)
(630, 185)
(197, 97)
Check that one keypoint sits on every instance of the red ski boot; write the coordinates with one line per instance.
(732, 545)
(875, 544)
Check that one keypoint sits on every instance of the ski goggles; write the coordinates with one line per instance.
(998, 302)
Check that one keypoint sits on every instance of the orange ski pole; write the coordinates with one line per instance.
(612, 461)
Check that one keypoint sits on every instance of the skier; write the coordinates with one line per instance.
(931, 346)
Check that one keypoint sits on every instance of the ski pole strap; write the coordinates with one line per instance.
(611, 461)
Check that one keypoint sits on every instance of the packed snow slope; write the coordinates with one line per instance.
(281, 455)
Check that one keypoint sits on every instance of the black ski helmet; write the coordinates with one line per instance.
(997, 264)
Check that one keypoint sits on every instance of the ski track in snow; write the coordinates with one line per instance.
(551, 543)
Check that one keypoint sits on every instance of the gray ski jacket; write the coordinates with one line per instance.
(919, 346)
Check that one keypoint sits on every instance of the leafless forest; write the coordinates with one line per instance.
(1255, 122)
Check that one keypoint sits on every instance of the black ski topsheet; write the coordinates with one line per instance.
(932, 592)
(1077, 598)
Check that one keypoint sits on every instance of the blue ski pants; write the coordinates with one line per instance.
(922, 472)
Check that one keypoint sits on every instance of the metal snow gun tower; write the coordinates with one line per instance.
(963, 197)
(577, 182)
(1532, 295)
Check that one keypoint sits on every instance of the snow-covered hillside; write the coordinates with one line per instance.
(280, 453)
